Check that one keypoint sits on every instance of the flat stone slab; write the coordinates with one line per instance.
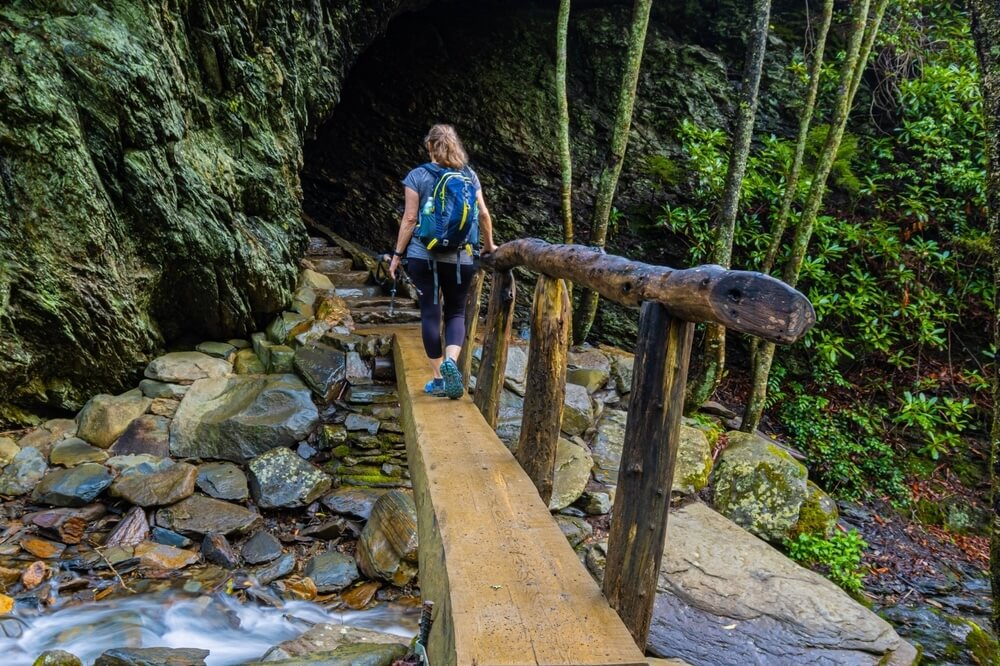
(105, 417)
(223, 480)
(165, 482)
(152, 657)
(199, 515)
(186, 367)
(75, 486)
(74, 451)
(147, 434)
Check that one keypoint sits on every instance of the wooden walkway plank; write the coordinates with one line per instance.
(508, 588)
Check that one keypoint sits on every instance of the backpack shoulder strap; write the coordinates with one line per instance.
(432, 169)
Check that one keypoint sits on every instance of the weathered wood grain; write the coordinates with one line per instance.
(471, 325)
(499, 318)
(652, 437)
(548, 354)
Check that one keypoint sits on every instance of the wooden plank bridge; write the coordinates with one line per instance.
(508, 589)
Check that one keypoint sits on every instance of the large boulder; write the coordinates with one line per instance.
(387, 549)
(578, 410)
(105, 417)
(320, 366)
(153, 657)
(186, 368)
(516, 370)
(571, 474)
(759, 486)
(694, 461)
(726, 598)
(607, 446)
(281, 479)
(323, 638)
(238, 418)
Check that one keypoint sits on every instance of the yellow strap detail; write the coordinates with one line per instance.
(432, 243)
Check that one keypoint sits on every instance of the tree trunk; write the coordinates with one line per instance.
(565, 156)
(584, 317)
(986, 33)
(858, 49)
(714, 356)
(496, 340)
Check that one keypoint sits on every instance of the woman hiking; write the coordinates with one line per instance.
(444, 211)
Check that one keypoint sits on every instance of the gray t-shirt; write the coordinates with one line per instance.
(422, 181)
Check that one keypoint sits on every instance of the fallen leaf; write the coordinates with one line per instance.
(33, 575)
(729, 626)
(6, 604)
(496, 587)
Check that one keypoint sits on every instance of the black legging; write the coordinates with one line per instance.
(452, 298)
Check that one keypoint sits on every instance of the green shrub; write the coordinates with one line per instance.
(838, 558)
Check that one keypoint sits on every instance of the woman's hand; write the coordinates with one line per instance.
(393, 265)
(489, 247)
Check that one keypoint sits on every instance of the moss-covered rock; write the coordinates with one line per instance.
(818, 514)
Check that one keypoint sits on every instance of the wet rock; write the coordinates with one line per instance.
(345, 342)
(281, 360)
(332, 529)
(199, 515)
(357, 371)
(578, 412)
(759, 486)
(8, 449)
(74, 486)
(607, 446)
(303, 300)
(279, 478)
(694, 461)
(571, 474)
(105, 417)
(357, 502)
(575, 529)
(371, 394)
(23, 473)
(333, 435)
(305, 451)
(360, 422)
(57, 658)
(239, 418)
(164, 407)
(260, 548)
(131, 530)
(153, 389)
(248, 363)
(146, 434)
(158, 556)
(169, 538)
(186, 368)
(42, 548)
(725, 597)
(332, 571)
(223, 480)
(152, 657)
(222, 350)
(325, 638)
(516, 370)
(321, 367)
(216, 549)
(280, 568)
(283, 328)
(387, 549)
(33, 576)
(164, 482)
(74, 451)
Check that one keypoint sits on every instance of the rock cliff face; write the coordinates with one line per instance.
(149, 175)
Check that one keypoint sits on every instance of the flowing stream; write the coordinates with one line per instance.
(234, 633)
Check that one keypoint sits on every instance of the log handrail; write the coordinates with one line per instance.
(744, 301)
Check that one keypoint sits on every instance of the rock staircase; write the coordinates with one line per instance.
(369, 302)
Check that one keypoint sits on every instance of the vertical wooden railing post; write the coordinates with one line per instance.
(493, 366)
(545, 384)
(652, 436)
(471, 324)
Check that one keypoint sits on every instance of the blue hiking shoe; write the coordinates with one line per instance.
(435, 387)
(453, 387)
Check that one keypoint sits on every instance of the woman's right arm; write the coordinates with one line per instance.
(407, 225)
(486, 224)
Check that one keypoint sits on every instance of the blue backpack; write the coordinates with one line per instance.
(449, 218)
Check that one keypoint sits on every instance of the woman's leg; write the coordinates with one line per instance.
(430, 312)
(454, 293)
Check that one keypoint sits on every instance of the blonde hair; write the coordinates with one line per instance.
(445, 147)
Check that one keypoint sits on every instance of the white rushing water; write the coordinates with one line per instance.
(234, 633)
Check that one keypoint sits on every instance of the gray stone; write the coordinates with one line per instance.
(575, 529)
(305, 451)
(105, 417)
(158, 484)
(152, 657)
(303, 300)
(57, 658)
(596, 503)
(571, 474)
(74, 451)
(199, 515)
(358, 654)
(315, 281)
(283, 328)
(589, 368)
(356, 422)
(725, 597)
(325, 638)
(23, 472)
(759, 486)
(370, 394)
(217, 550)
(607, 446)
(321, 367)
(280, 478)
(153, 389)
(223, 480)
(282, 360)
(169, 538)
(248, 363)
(280, 568)
(8, 449)
(147, 434)
(332, 571)
(818, 514)
(509, 417)
(74, 486)
(261, 547)
(238, 418)
(621, 369)
(122, 463)
(387, 549)
(350, 501)
(164, 407)
(516, 370)
(222, 350)
(578, 412)
(694, 461)
(357, 371)
(186, 368)
(239, 343)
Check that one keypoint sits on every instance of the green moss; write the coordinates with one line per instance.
(984, 648)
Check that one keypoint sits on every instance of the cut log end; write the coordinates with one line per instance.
(762, 305)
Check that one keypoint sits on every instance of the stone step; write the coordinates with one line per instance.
(351, 279)
(366, 291)
(333, 251)
(381, 315)
(379, 302)
(338, 265)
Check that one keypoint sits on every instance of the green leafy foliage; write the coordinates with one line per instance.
(838, 557)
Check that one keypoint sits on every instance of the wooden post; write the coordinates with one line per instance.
(493, 366)
(652, 436)
(471, 324)
(548, 354)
